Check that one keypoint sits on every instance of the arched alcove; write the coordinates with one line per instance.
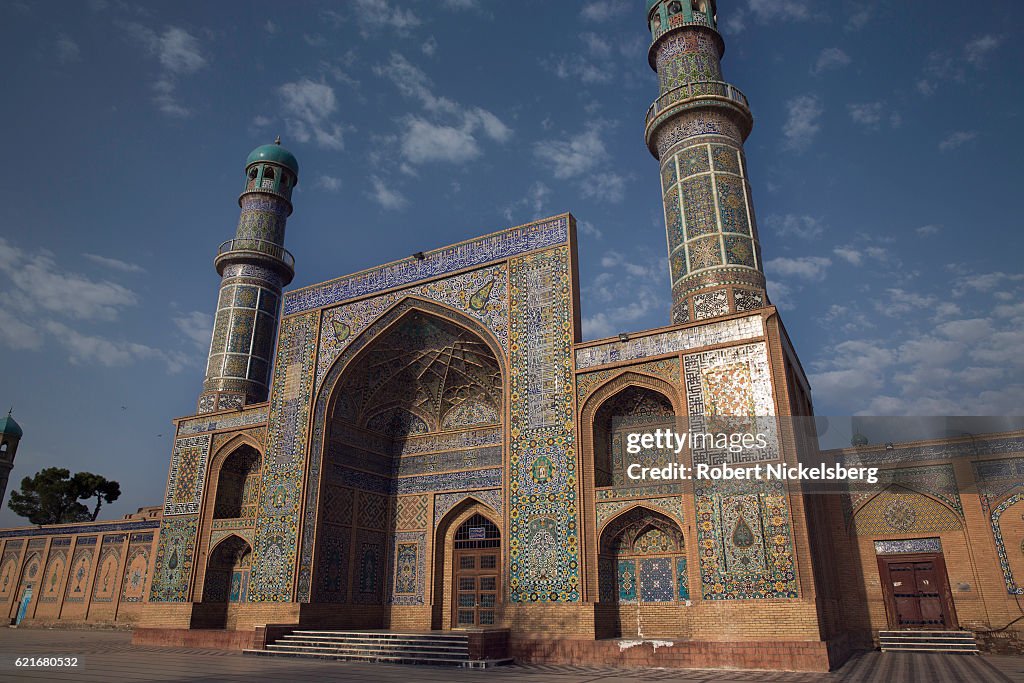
(633, 409)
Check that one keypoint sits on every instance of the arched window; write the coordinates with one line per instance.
(3, 447)
(253, 172)
(268, 173)
(674, 7)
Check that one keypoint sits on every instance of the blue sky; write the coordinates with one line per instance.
(885, 161)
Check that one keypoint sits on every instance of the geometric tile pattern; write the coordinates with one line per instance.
(897, 510)
(669, 342)
(81, 572)
(188, 472)
(912, 545)
(444, 502)
(745, 541)
(457, 257)
(657, 582)
(667, 369)
(543, 534)
(727, 390)
(174, 557)
(937, 481)
(411, 512)
(1001, 485)
(672, 506)
(135, 573)
(53, 577)
(107, 570)
(409, 570)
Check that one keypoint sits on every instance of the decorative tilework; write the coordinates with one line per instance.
(78, 579)
(345, 323)
(693, 160)
(739, 251)
(682, 580)
(912, 545)
(1001, 485)
(411, 512)
(684, 125)
(935, 480)
(674, 219)
(544, 539)
(477, 252)
(668, 174)
(188, 473)
(710, 304)
(670, 342)
(274, 557)
(373, 511)
(332, 564)
(732, 204)
(369, 580)
(705, 252)
(627, 579)
(229, 421)
(667, 369)
(409, 572)
(746, 547)
(698, 206)
(444, 502)
(53, 575)
(673, 506)
(898, 510)
(726, 158)
(656, 580)
(722, 388)
(174, 557)
(105, 587)
(747, 300)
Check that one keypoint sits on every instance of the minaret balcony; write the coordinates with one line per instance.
(249, 249)
(696, 93)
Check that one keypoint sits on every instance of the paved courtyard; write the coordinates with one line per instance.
(108, 657)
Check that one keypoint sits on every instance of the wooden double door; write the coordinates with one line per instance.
(916, 592)
(476, 587)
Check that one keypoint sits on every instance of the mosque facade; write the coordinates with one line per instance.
(429, 445)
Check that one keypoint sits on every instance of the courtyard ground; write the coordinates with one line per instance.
(109, 657)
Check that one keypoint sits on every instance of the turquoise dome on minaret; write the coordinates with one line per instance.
(9, 427)
(275, 153)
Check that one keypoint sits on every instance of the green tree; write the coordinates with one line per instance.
(52, 495)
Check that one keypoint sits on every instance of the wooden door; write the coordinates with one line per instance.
(916, 592)
(476, 587)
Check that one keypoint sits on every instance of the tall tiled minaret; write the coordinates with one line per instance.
(10, 437)
(254, 267)
(696, 129)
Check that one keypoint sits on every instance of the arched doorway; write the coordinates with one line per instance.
(632, 409)
(227, 579)
(238, 484)
(476, 563)
(641, 560)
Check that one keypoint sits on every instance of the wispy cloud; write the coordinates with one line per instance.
(569, 158)
(66, 50)
(830, 58)
(531, 207)
(792, 225)
(627, 292)
(976, 51)
(115, 264)
(309, 108)
(374, 17)
(956, 139)
(605, 10)
(811, 268)
(386, 196)
(803, 122)
(178, 53)
(197, 328)
(328, 183)
(86, 349)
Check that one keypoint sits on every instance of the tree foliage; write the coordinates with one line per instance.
(52, 496)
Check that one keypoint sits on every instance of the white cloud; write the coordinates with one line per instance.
(308, 108)
(429, 46)
(87, 349)
(608, 186)
(590, 230)
(802, 122)
(270, 27)
(926, 230)
(531, 206)
(328, 183)
(860, 17)
(374, 16)
(849, 254)
(115, 264)
(791, 225)
(782, 10)
(425, 142)
(596, 45)
(830, 58)
(629, 290)
(811, 268)
(197, 327)
(781, 295)
(462, 4)
(956, 139)
(977, 51)
(577, 155)
(16, 334)
(388, 197)
(576, 68)
(868, 114)
(66, 50)
(178, 53)
(42, 284)
(604, 10)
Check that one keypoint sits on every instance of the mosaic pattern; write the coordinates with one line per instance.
(710, 305)
(670, 342)
(725, 385)
(739, 251)
(280, 493)
(693, 160)
(214, 423)
(698, 206)
(693, 123)
(411, 512)
(657, 583)
(726, 158)
(81, 572)
(368, 583)
(1001, 485)
(732, 204)
(188, 473)
(477, 252)
(409, 571)
(544, 540)
(937, 481)
(482, 294)
(444, 502)
(53, 576)
(682, 580)
(667, 369)
(332, 564)
(912, 545)
(373, 511)
(174, 557)
(105, 587)
(745, 541)
(705, 252)
(626, 574)
(748, 300)
(672, 506)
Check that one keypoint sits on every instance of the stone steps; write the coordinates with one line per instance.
(439, 649)
(950, 642)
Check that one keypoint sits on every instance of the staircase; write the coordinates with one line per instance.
(956, 642)
(443, 648)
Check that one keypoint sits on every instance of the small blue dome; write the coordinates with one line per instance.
(9, 427)
(275, 153)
